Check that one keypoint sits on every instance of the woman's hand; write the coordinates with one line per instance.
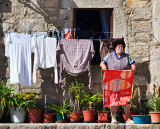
(133, 68)
(104, 69)
(103, 66)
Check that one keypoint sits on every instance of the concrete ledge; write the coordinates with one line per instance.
(76, 126)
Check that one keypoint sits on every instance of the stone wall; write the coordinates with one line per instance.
(132, 19)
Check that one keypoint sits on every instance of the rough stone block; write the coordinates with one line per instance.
(141, 26)
(64, 14)
(37, 25)
(50, 3)
(142, 14)
(96, 72)
(39, 91)
(137, 3)
(64, 4)
(5, 27)
(142, 37)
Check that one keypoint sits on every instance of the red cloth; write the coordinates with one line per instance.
(68, 35)
(117, 87)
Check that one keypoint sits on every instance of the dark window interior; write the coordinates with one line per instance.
(87, 20)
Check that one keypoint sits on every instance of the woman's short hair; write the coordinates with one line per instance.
(118, 41)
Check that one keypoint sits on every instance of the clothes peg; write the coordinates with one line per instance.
(112, 38)
(32, 35)
(50, 33)
(44, 36)
(101, 35)
(55, 33)
(78, 33)
(59, 33)
(36, 35)
(63, 34)
(9, 31)
(91, 34)
(25, 32)
(47, 31)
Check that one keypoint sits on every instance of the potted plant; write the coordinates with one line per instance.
(62, 111)
(5, 94)
(34, 113)
(18, 107)
(48, 117)
(154, 104)
(134, 103)
(89, 102)
(103, 115)
(119, 114)
(75, 91)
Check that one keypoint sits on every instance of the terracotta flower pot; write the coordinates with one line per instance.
(131, 113)
(62, 121)
(34, 115)
(75, 116)
(48, 118)
(89, 115)
(103, 115)
(155, 117)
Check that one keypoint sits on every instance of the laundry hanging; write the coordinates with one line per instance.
(75, 57)
(20, 47)
(117, 87)
(105, 47)
(46, 49)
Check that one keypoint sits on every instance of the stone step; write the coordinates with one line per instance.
(76, 126)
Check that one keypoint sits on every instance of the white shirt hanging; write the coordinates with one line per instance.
(46, 47)
(21, 47)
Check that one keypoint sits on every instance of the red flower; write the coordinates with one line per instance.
(154, 87)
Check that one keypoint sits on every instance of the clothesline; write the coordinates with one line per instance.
(56, 30)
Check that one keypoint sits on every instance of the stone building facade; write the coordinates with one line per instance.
(138, 21)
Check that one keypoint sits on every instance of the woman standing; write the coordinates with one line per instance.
(118, 60)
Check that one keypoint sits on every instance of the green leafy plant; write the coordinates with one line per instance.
(106, 109)
(60, 109)
(134, 100)
(154, 99)
(75, 90)
(89, 101)
(17, 101)
(5, 95)
(119, 110)
(32, 97)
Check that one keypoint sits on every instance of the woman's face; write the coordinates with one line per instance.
(119, 49)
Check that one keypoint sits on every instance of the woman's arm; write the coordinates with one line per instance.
(103, 66)
(133, 67)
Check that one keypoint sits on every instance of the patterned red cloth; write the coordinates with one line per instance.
(117, 87)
